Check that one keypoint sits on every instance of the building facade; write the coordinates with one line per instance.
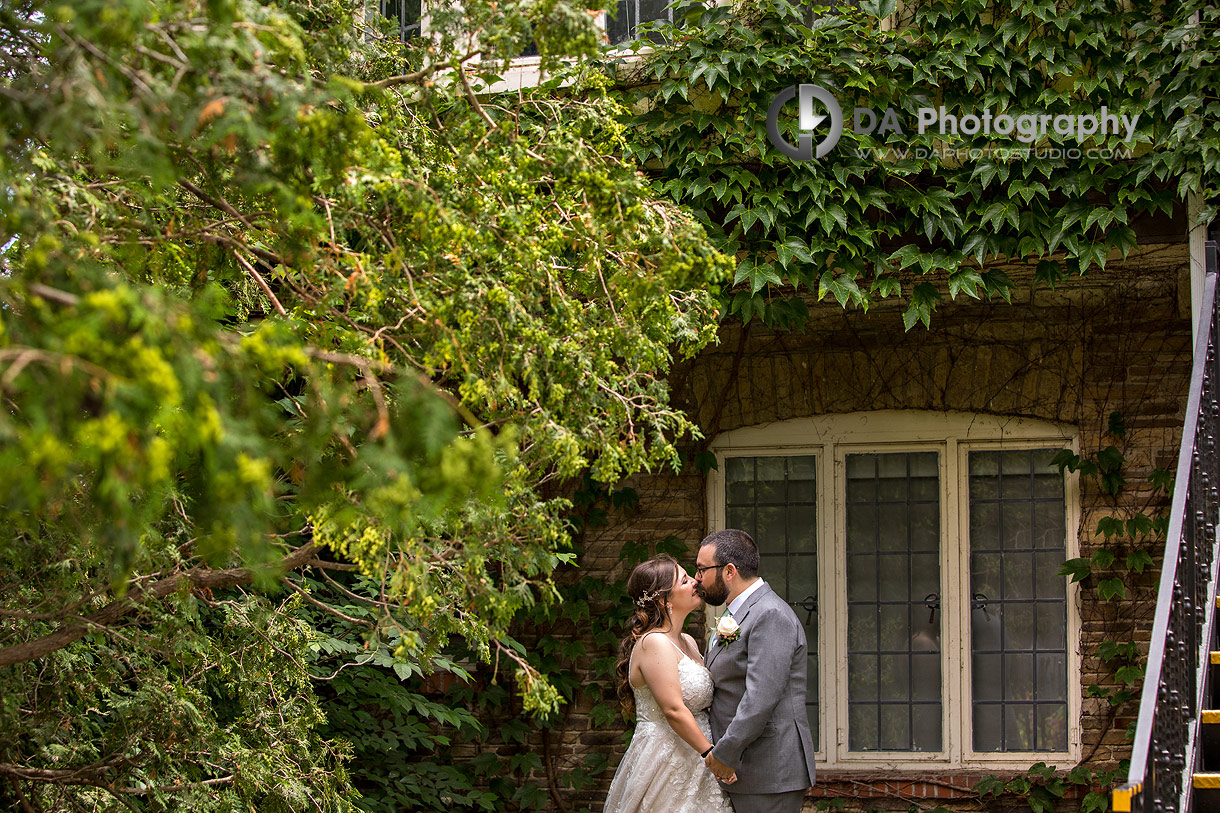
(903, 491)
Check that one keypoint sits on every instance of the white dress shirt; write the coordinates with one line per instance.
(736, 603)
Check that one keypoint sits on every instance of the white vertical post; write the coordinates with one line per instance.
(1196, 234)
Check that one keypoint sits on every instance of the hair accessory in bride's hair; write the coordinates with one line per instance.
(643, 601)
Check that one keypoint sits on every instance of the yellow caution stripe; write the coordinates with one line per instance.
(1121, 799)
(1211, 717)
(1207, 780)
(1215, 657)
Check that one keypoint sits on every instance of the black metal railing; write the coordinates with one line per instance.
(1162, 756)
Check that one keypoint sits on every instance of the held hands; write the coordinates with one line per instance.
(721, 771)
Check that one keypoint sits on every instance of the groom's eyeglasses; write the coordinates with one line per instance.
(699, 571)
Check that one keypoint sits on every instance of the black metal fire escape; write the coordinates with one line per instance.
(1175, 760)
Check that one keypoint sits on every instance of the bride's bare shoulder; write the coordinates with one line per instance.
(650, 641)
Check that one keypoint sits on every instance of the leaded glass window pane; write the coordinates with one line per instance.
(622, 22)
(774, 499)
(893, 602)
(406, 13)
(1019, 605)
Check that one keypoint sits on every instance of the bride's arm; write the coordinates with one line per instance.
(657, 661)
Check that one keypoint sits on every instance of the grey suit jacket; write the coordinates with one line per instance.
(758, 709)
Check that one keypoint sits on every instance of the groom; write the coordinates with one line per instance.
(758, 717)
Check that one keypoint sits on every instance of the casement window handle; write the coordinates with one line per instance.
(809, 604)
(932, 602)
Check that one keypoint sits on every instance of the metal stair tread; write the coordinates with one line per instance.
(1207, 781)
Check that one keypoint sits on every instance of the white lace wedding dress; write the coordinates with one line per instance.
(660, 773)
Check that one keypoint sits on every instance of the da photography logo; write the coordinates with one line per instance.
(1039, 133)
(812, 118)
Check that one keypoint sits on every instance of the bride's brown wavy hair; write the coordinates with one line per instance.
(648, 587)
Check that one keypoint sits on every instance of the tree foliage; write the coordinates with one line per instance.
(302, 341)
(282, 298)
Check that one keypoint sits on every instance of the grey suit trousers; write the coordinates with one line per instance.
(789, 802)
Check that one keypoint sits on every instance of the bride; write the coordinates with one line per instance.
(662, 675)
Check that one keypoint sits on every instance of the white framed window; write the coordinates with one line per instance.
(622, 24)
(921, 551)
(619, 27)
(408, 14)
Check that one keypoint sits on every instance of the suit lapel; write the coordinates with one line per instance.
(740, 616)
(713, 650)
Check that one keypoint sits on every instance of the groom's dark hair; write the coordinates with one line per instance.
(736, 548)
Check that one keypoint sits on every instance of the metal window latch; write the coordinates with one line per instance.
(932, 602)
(809, 604)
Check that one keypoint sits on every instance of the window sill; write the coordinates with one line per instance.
(911, 785)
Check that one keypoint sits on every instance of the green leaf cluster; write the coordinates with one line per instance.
(921, 216)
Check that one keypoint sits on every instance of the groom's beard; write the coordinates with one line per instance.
(714, 595)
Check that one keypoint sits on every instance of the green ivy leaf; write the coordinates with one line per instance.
(515, 731)
(1066, 459)
(886, 287)
(1160, 478)
(1019, 786)
(1139, 559)
(1110, 589)
(989, 785)
(1049, 273)
(1079, 569)
(907, 255)
(923, 300)
(843, 288)
(705, 462)
(976, 245)
(603, 715)
(762, 275)
(1139, 524)
(1094, 802)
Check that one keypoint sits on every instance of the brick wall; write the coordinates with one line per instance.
(1115, 340)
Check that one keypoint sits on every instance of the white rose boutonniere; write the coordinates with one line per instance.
(727, 630)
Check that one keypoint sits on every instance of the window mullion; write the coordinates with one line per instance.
(958, 597)
(838, 590)
(828, 564)
(1072, 519)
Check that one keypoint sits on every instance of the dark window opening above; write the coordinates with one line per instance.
(623, 22)
(406, 13)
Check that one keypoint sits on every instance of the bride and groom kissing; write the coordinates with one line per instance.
(725, 731)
